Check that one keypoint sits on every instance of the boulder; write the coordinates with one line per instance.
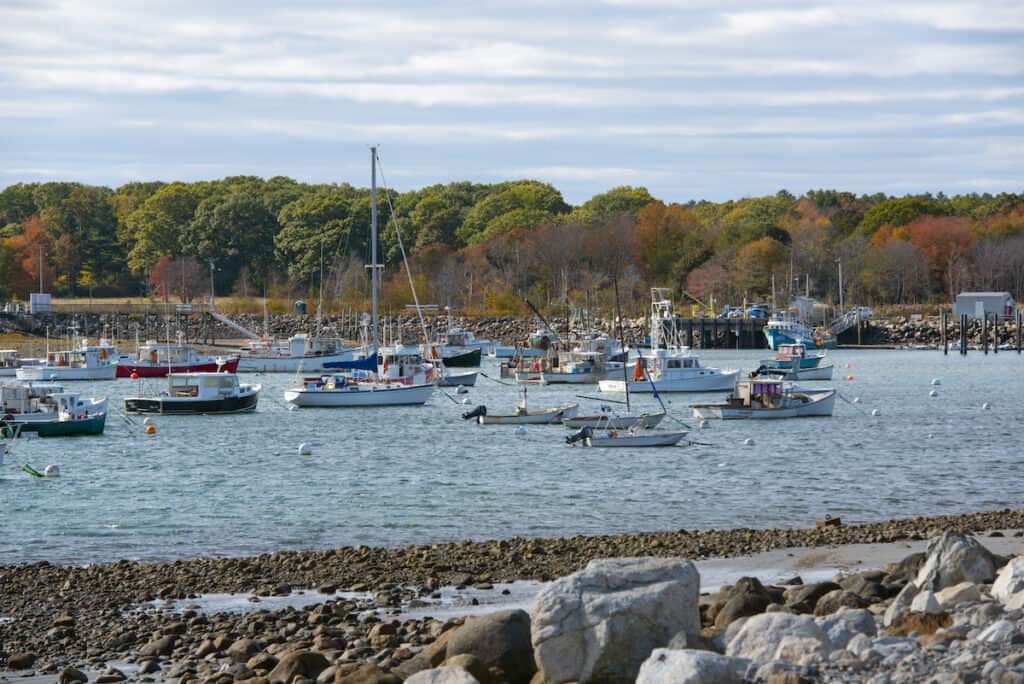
(804, 599)
(867, 585)
(601, 623)
(925, 602)
(838, 599)
(900, 605)
(71, 675)
(473, 666)
(965, 592)
(163, 646)
(501, 641)
(242, 650)
(761, 636)
(667, 666)
(748, 597)
(1001, 632)
(953, 558)
(443, 675)
(21, 661)
(1010, 580)
(307, 664)
(367, 674)
(843, 626)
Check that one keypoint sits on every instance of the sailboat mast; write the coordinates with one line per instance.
(373, 242)
(622, 337)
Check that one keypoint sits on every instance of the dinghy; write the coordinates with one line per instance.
(522, 415)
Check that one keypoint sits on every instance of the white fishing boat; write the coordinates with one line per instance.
(11, 361)
(88, 362)
(300, 353)
(669, 366)
(822, 372)
(369, 385)
(758, 398)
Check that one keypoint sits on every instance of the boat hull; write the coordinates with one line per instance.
(626, 441)
(153, 370)
(549, 417)
(463, 378)
(245, 402)
(68, 428)
(709, 382)
(467, 358)
(587, 378)
(291, 364)
(66, 373)
(615, 422)
(776, 337)
(354, 396)
(820, 403)
(808, 374)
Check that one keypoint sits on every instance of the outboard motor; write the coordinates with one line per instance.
(580, 434)
(480, 410)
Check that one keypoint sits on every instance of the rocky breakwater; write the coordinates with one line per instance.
(907, 332)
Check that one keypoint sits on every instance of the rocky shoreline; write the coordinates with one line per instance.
(53, 617)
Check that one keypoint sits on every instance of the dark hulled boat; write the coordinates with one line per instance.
(198, 393)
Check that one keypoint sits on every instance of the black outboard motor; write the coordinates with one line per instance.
(480, 410)
(580, 434)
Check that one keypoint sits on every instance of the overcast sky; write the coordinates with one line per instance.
(698, 99)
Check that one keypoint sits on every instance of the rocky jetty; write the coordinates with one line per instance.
(957, 608)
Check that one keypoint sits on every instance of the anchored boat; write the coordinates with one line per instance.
(88, 362)
(760, 398)
(49, 411)
(198, 393)
(522, 415)
(157, 360)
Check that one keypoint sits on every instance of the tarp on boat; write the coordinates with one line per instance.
(367, 364)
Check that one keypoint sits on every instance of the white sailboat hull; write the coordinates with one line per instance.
(643, 439)
(291, 364)
(615, 421)
(708, 381)
(545, 417)
(356, 395)
(65, 373)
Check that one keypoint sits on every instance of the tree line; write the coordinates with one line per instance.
(482, 248)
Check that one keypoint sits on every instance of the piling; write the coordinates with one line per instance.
(995, 333)
(984, 333)
(945, 341)
(1017, 318)
(689, 333)
(963, 334)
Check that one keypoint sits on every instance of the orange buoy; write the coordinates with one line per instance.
(134, 376)
(846, 366)
(849, 377)
(151, 429)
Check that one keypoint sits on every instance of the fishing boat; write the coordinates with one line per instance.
(301, 352)
(784, 327)
(198, 393)
(88, 362)
(10, 362)
(455, 336)
(613, 420)
(790, 355)
(504, 351)
(369, 384)
(823, 372)
(522, 415)
(157, 360)
(760, 398)
(48, 411)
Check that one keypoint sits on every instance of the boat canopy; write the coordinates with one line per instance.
(367, 364)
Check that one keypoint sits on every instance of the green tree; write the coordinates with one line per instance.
(624, 199)
(898, 211)
(535, 202)
(157, 225)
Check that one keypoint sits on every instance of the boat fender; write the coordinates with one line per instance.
(480, 410)
(613, 434)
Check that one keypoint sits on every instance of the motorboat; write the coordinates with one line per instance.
(301, 353)
(341, 391)
(522, 415)
(790, 355)
(504, 351)
(11, 361)
(624, 439)
(615, 421)
(823, 372)
(459, 378)
(761, 398)
(198, 393)
(784, 327)
(88, 362)
(48, 411)
(157, 360)
(456, 337)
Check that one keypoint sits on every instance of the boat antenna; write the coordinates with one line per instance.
(622, 339)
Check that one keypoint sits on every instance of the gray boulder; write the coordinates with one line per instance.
(954, 558)
(443, 675)
(666, 666)
(1010, 580)
(501, 641)
(771, 636)
(307, 664)
(601, 623)
(843, 626)
(1001, 632)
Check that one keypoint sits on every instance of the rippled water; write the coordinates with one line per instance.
(235, 485)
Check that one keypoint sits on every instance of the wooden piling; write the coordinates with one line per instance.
(1017, 317)
(984, 333)
(945, 341)
(995, 333)
(963, 334)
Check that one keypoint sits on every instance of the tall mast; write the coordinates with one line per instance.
(373, 241)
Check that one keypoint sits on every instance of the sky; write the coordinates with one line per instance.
(694, 100)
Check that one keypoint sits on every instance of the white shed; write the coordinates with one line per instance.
(978, 304)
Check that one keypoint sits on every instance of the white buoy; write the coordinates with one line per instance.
(520, 430)
(305, 449)
(748, 442)
(146, 421)
(704, 424)
(461, 389)
(986, 406)
(52, 470)
(933, 393)
(856, 400)
(936, 381)
(876, 412)
(293, 407)
(465, 400)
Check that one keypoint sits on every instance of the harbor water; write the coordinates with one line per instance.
(236, 485)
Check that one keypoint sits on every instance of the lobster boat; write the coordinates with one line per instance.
(198, 393)
(157, 360)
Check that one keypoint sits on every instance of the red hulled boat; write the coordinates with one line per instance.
(156, 360)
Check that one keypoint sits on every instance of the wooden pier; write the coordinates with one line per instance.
(723, 333)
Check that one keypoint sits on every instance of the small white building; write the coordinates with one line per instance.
(978, 304)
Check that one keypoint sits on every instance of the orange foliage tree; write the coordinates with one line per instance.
(25, 278)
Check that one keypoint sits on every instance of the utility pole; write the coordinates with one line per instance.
(40, 268)
(211, 285)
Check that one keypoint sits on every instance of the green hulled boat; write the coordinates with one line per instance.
(49, 412)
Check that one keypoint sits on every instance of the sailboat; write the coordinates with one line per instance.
(366, 386)
(607, 430)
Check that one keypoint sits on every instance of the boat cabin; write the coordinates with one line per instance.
(8, 358)
(25, 398)
(303, 345)
(202, 385)
(788, 352)
(167, 354)
(758, 393)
